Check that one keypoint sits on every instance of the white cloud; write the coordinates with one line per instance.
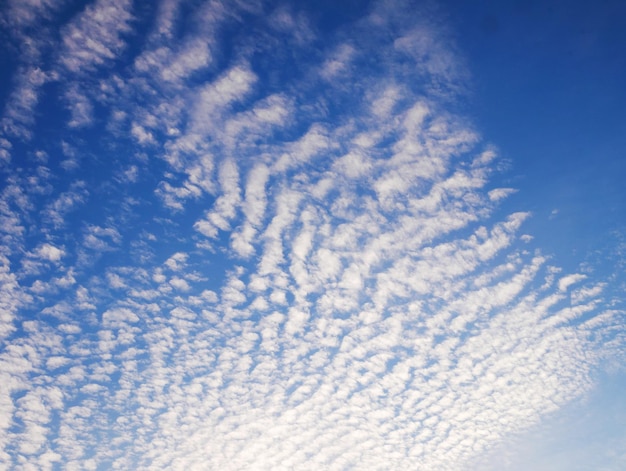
(586, 292)
(294, 23)
(56, 211)
(168, 11)
(94, 36)
(231, 87)
(193, 56)
(227, 203)
(49, 252)
(5, 153)
(100, 239)
(173, 197)
(569, 280)
(311, 144)
(23, 13)
(500, 193)
(254, 207)
(114, 317)
(80, 108)
(339, 62)
(179, 284)
(19, 112)
(434, 58)
(141, 134)
(177, 261)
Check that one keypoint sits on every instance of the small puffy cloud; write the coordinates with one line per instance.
(142, 135)
(100, 239)
(339, 62)
(173, 197)
(58, 208)
(19, 113)
(192, 57)
(569, 280)
(180, 284)
(177, 261)
(49, 252)
(95, 35)
(80, 108)
(117, 316)
(500, 193)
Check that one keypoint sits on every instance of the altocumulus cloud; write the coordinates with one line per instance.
(277, 247)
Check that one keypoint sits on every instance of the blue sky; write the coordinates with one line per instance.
(550, 76)
(261, 235)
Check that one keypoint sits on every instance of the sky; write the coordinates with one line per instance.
(289, 235)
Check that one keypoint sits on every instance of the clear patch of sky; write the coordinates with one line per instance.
(548, 89)
(587, 434)
(548, 84)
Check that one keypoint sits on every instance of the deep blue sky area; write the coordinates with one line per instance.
(548, 79)
(549, 89)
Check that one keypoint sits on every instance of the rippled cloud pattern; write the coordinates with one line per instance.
(244, 236)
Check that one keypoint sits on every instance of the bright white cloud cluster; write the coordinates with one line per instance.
(282, 252)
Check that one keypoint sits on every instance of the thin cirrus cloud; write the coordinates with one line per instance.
(284, 251)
